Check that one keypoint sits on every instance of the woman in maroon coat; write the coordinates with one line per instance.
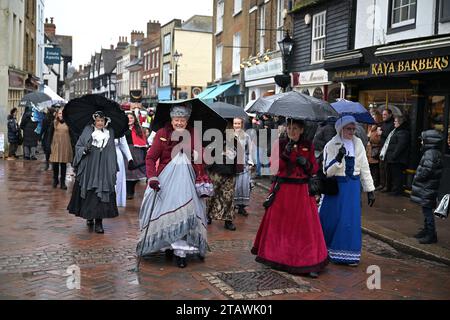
(290, 236)
(177, 221)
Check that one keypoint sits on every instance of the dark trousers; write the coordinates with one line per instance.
(395, 177)
(131, 186)
(375, 172)
(13, 149)
(428, 216)
(56, 172)
(382, 174)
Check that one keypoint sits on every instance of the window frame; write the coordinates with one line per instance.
(403, 25)
(443, 19)
(220, 12)
(315, 40)
(236, 64)
(279, 22)
(239, 8)
(218, 63)
(169, 47)
(164, 71)
(262, 32)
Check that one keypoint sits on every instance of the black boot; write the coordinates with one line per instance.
(429, 238)
(230, 226)
(181, 262)
(242, 211)
(209, 219)
(47, 165)
(99, 226)
(169, 254)
(90, 222)
(422, 233)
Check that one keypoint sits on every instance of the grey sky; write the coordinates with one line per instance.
(94, 24)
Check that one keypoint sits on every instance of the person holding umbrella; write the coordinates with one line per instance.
(172, 216)
(30, 137)
(340, 215)
(290, 236)
(95, 163)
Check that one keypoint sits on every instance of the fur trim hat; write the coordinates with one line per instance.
(181, 112)
(343, 121)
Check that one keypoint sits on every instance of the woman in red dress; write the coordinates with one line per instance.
(290, 236)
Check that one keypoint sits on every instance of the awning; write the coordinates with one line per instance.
(216, 90)
(52, 94)
(164, 94)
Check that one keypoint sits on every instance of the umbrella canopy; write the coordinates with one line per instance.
(228, 111)
(38, 100)
(78, 113)
(200, 112)
(295, 105)
(56, 99)
(355, 109)
(263, 104)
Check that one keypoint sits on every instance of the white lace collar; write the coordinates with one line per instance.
(100, 138)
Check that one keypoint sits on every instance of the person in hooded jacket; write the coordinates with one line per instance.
(426, 183)
(13, 134)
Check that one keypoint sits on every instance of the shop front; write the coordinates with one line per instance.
(410, 81)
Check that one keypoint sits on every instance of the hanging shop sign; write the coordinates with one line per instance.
(432, 64)
(52, 56)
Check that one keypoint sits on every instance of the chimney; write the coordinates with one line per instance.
(136, 35)
(49, 28)
(112, 47)
(81, 68)
(153, 28)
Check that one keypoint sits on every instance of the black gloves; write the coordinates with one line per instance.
(131, 165)
(341, 154)
(87, 149)
(289, 147)
(302, 161)
(371, 198)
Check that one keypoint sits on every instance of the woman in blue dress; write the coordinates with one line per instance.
(340, 215)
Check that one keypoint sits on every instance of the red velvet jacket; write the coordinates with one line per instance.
(162, 150)
(283, 166)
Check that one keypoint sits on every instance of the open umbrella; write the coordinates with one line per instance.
(37, 99)
(355, 109)
(200, 112)
(295, 105)
(228, 111)
(78, 113)
(263, 104)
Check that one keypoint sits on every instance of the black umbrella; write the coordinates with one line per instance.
(263, 104)
(37, 100)
(200, 112)
(78, 113)
(228, 111)
(295, 105)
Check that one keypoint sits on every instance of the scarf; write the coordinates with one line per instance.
(386, 145)
(100, 138)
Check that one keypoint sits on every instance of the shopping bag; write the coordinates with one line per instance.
(442, 209)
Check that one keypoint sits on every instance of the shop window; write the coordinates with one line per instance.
(318, 93)
(399, 101)
(306, 91)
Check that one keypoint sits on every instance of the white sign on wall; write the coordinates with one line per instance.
(264, 70)
(313, 77)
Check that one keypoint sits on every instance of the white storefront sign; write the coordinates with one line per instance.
(264, 70)
(315, 77)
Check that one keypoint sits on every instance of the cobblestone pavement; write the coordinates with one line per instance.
(39, 241)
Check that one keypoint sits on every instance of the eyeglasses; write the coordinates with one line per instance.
(350, 129)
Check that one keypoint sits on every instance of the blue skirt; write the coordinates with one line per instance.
(340, 217)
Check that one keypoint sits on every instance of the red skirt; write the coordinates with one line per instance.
(290, 236)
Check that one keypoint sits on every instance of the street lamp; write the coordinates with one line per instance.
(176, 58)
(286, 47)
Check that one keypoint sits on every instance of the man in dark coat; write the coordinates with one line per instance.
(426, 183)
(46, 136)
(386, 128)
(13, 134)
(397, 156)
(30, 137)
(325, 132)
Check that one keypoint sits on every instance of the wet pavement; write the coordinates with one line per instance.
(39, 241)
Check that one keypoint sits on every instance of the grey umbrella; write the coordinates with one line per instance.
(295, 105)
(36, 99)
(263, 104)
(228, 111)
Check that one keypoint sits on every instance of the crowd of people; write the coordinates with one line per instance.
(298, 233)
